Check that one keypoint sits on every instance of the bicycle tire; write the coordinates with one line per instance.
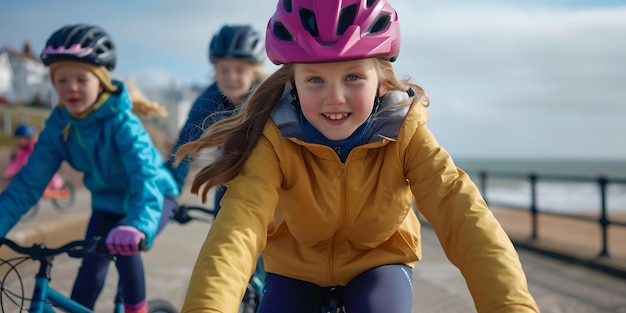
(251, 300)
(30, 214)
(62, 205)
(247, 308)
(161, 306)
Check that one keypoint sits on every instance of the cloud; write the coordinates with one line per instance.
(529, 81)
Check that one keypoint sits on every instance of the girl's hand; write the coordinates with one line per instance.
(124, 240)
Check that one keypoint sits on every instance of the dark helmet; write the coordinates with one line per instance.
(24, 130)
(80, 42)
(310, 31)
(237, 42)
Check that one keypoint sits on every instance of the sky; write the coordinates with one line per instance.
(526, 79)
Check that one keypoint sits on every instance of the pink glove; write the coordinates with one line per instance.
(124, 240)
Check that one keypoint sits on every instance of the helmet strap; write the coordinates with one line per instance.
(294, 94)
(376, 105)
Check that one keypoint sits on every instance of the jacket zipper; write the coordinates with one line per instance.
(344, 217)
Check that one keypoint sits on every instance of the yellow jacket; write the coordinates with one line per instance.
(323, 221)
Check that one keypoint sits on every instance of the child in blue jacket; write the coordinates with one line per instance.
(95, 130)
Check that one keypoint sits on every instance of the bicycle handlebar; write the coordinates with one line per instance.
(182, 215)
(74, 249)
(95, 246)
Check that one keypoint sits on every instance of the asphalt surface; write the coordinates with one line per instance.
(557, 286)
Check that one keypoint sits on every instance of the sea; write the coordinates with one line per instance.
(559, 186)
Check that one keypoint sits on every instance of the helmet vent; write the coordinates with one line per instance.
(369, 3)
(346, 18)
(86, 43)
(255, 43)
(281, 32)
(239, 42)
(308, 21)
(380, 24)
(287, 5)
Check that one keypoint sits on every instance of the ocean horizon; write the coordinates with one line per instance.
(612, 168)
(558, 196)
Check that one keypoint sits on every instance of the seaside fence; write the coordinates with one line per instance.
(602, 219)
(11, 116)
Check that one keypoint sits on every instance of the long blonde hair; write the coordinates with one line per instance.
(147, 110)
(238, 135)
(142, 106)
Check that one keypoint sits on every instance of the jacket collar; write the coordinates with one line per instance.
(384, 126)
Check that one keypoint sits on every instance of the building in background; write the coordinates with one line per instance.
(24, 80)
(177, 100)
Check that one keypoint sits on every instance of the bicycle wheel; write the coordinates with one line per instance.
(250, 302)
(161, 306)
(62, 204)
(30, 214)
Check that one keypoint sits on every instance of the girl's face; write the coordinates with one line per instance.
(336, 98)
(77, 87)
(234, 78)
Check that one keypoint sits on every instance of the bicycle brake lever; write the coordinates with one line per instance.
(96, 247)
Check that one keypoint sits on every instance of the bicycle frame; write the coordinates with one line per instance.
(44, 297)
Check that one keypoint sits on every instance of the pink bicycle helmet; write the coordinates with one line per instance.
(310, 31)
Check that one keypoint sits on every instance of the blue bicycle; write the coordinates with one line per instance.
(332, 303)
(44, 298)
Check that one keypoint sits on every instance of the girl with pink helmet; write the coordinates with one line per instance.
(323, 166)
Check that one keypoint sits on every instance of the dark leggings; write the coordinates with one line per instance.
(387, 288)
(93, 270)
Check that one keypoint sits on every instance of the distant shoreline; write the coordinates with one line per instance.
(591, 168)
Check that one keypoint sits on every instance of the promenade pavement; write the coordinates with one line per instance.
(557, 286)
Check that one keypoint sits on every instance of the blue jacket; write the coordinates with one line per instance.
(209, 107)
(122, 169)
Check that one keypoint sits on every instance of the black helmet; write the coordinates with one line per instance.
(80, 42)
(237, 42)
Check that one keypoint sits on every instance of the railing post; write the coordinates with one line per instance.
(604, 220)
(6, 116)
(533, 206)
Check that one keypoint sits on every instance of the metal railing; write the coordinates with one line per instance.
(11, 116)
(535, 210)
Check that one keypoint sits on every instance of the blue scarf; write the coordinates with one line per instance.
(341, 147)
